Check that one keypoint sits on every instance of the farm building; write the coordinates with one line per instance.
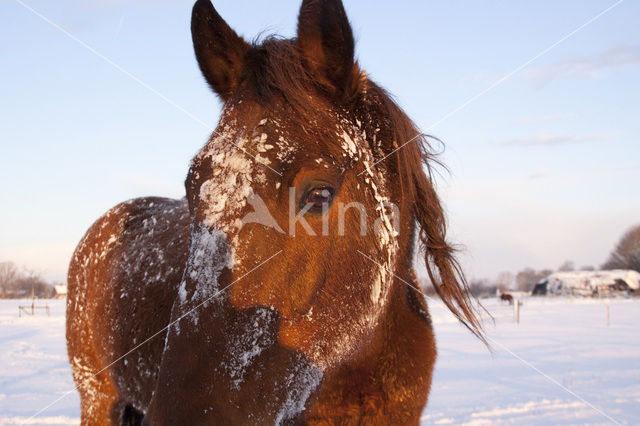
(589, 283)
(61, 291)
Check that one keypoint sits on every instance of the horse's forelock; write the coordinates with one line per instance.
(275, 74)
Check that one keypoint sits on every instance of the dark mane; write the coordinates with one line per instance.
(275, 73)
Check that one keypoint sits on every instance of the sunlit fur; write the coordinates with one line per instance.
(269, 327)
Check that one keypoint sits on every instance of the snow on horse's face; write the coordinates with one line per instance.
(279, 200)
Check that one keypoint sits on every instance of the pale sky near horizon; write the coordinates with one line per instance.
(543, 168)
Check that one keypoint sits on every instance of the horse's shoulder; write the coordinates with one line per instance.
(140, 219)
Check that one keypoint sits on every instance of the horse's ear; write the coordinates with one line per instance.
(326, 42)
(219, 50)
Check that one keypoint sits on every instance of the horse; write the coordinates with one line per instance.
(506, 297)
(211, 310)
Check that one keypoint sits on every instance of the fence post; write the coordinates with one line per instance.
(517, 307)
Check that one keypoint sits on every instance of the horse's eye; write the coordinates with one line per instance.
(318, 197)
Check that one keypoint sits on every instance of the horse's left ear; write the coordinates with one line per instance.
(219, 50)
(325, 40)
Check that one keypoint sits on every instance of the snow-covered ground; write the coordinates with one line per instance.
(34, 370)
(561, 365)
(565, 339)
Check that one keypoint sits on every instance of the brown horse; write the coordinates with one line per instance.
(309, 313)
(506, 297)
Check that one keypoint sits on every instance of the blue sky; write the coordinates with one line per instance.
(543, 168)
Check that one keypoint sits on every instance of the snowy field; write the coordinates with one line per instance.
(561, 365)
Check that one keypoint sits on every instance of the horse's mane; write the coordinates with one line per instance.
(276, 75)
(411, 160)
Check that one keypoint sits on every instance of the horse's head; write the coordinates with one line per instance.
(306, 200)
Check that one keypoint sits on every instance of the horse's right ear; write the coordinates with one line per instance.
(326, 42)
(219, 50)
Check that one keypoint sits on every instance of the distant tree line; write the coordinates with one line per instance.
(16, 283)
(625, 255)
(507, 281)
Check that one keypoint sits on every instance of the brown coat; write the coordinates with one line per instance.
(186, 312)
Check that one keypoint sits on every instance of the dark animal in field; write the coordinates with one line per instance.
(271, 322)
(506, 297)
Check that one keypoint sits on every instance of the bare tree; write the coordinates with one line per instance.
(567, 266)
(15, 283)
(505, 280)
(482, 287)
(626, 254)
(36, 285)
(544, 273)
(525, 279)
(9, 274)
(528, 278)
